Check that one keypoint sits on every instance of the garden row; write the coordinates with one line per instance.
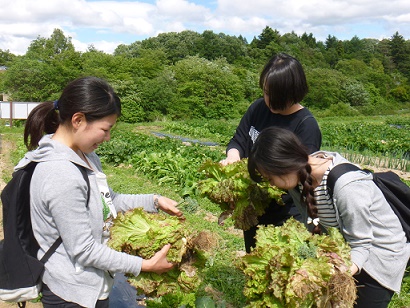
(171, 161)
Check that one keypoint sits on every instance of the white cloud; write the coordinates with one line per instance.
(105, 46)
(108, 23)
(120, 14)
(324, 15)
(181, 9)
(248, 9)
(18, 43)
(236, 25)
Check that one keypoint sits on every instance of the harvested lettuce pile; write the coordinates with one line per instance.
(140, 233)
(290, 267)
(238, 195)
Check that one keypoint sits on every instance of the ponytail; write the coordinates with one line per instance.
(43, 119)
(307, 196)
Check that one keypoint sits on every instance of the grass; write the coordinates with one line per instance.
(402, 300)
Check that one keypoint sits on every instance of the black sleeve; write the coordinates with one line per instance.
(241, 139)
(309, 134)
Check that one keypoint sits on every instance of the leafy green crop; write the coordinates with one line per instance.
(137, 232)
(290, 267)
(389, 139)
(166, 159)
(239, 196)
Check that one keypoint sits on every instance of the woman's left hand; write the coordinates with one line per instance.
(168, 206)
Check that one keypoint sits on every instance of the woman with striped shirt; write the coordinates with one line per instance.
(379, 248)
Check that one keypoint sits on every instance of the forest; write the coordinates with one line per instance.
(190, 75)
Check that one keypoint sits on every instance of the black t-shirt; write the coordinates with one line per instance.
(258, 116)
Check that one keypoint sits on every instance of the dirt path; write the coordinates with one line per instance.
(404, 175)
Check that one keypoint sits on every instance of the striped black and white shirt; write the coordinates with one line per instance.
(324, 204)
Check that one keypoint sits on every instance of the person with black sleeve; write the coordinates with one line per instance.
(284, 86)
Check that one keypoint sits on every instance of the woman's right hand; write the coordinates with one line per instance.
(158, 263)
(231, 157)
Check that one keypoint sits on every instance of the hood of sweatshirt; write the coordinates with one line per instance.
(50, 150)
(336, 157)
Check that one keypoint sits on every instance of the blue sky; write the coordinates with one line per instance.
(109, 23)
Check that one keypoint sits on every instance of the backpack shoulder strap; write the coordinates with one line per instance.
(336, 172)
(59, 240)
(87, 180)
(51, 250)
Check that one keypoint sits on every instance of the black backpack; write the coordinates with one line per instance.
(394, 190)
(20, 270)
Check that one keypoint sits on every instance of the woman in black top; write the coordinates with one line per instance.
(284, 85)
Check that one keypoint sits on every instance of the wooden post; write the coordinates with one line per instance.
(11, 114)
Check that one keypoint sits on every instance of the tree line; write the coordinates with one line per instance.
(189, 75)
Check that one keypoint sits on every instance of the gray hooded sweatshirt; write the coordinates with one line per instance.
(76, 271)
(368, 224)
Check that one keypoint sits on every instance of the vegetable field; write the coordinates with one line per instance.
(137, 160)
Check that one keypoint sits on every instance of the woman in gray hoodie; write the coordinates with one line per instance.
(379, 247)
(61, 135)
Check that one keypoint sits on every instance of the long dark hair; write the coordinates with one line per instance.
(279, 152)
(90, 95)
(284, 80)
